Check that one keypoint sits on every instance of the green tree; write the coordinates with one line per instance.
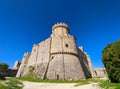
(111, 60)
(4, 66)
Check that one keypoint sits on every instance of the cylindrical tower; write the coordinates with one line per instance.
(62, 42)
(60, 29)
(64, 60)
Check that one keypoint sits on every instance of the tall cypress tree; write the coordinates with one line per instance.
(111, 60)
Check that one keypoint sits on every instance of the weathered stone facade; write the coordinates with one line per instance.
(17, 65)
(100, 72)
(58, 57)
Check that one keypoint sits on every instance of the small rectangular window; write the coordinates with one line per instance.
(66, 45)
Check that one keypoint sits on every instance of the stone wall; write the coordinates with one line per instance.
(56, 67)
(64, 59)
(42, 61)
(100, 72)
(34, 54)
(22, 70)
(8, 72)
(84, 63)
(17, 65)
(73, 68)
(90, 65)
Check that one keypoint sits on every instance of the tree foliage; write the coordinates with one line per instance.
(4, 66)
(111, 60)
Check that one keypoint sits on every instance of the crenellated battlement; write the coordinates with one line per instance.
(61, 24)
(60, 29)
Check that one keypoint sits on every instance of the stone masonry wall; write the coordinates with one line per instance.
(56, 67)
(90, 65)
(17, 65)
(73, 68)
(64, 62)
(42, 61)
(100, 72)
(23, 65)
(31, 61)
(84, 63)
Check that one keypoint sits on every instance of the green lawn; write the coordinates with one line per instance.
(79, 82)
(11, 83)
(88, 81)
(109, 85)
(46, 80)
(15, 83)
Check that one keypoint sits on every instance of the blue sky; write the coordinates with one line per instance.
(94, 23)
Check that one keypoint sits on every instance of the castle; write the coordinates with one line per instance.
(58, 57)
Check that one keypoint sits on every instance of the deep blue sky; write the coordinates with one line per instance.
(95, 23)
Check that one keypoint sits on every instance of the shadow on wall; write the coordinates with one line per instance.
(85, 68)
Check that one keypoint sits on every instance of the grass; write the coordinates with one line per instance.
(12, 83)
(2, 81)
(88, 81)
(108, 85)
(46, 80)
(2, 86)
(78, 82)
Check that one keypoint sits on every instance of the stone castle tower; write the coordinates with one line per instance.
(58, 57)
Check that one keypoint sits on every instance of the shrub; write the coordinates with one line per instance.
(111, 60)
(2, 77)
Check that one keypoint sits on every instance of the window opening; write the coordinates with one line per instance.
(66, 45)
